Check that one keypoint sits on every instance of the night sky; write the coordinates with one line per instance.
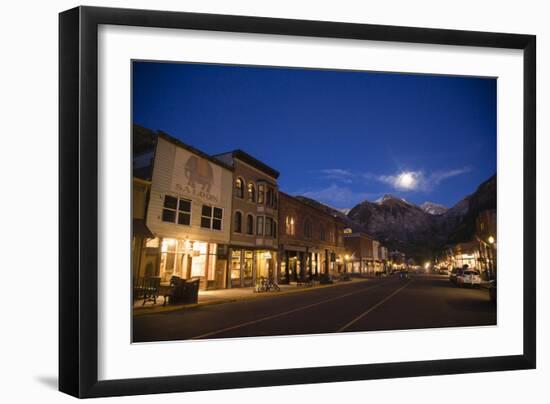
(337, 136)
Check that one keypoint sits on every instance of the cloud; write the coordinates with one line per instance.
(338, 174)
(439, 176)
(336, 196)
(406, 181)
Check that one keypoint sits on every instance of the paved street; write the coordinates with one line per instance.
(424, 301)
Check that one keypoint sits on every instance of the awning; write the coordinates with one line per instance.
(140, 228)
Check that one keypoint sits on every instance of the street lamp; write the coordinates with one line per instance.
(491, 240)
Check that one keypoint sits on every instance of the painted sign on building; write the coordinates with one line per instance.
(196, 177)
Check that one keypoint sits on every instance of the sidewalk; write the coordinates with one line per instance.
(209, 297)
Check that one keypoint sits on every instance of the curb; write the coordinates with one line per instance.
(168, 309)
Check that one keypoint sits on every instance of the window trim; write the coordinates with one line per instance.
(242, 188)
(255, 194)
(241, 222)
(177, 211)
(211, 217)
(250, 215)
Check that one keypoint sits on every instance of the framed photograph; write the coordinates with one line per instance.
(251, 202)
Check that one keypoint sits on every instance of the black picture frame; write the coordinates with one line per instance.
(78, 196)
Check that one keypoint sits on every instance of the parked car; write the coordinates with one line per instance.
(455, 272)
(443, 271)
(469, 277)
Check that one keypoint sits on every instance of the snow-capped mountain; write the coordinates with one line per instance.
(389, 198)
(433, 208)
(345, 211)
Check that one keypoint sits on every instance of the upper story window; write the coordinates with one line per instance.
(322, 235)
(307, 229)
(239, 188)
(211, 217)
(260, 225)
(238, 222)
(269, 197)
(290, 224)
(269, 226)
(251, 192)
(261, 194)
(249, 224)
(176, 210)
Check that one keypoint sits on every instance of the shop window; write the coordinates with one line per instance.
(211, 217)
(248, 265)
(290, 226)
(175, 211)
(250, 224)
(238, 222)
(261, 194)
(251, 192)
(239, 188)
(260, 225)
(236, 267)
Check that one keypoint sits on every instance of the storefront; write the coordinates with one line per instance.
(192, 259)
(247, 265)
(301, 265)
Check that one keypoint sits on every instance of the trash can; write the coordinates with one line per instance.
(179, 287)
(191, 291)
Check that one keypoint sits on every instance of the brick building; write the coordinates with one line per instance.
(311, 241)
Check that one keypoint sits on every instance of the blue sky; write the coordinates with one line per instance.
(337, 136)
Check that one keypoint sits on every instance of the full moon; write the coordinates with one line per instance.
(406, 180)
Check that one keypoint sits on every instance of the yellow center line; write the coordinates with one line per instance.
(208, 334)
(373, 307)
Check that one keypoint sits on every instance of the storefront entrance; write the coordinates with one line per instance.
(191, 259)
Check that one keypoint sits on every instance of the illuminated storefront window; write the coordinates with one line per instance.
(266, 264)
(186, 259)
(236, 267)
(248, 267)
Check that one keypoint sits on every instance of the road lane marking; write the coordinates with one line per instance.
(373, 307)
(208, 334)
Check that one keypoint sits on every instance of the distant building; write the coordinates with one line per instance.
(465, 254)
(368, 256)
(254, 236)
(486, 237)
(311, 241)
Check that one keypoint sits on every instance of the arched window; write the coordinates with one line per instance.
(290, 225)
(307, 229)
(239, 188)
(249, 224)
(251, 192)
(261, 194)
(238, 222)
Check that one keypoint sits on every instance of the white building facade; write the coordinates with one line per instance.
(189, 213)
